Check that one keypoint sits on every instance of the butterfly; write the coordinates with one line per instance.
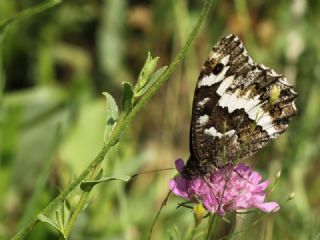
(238, 107)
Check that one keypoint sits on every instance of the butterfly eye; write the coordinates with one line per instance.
(217, 68)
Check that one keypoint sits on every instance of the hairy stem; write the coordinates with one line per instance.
(81, 203)
(117, 132)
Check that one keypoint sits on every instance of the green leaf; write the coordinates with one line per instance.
(146, 71)
(59, 218)
(62, 216)
(127, 95)
(174, 233)
(154, 77)
(87, 185)
(112, 116)
(47, 220)
(28, 12)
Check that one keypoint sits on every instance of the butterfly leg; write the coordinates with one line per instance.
(239, 174)
(205, 178)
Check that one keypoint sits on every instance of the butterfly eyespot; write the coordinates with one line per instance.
(218, 68)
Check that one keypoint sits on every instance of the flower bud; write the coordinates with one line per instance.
(199, 212)
(279, 174)
(148, 68)
(291, 196)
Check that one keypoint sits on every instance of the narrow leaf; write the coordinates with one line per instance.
(62, 214)
(87, 185)
(112, 116)
(29, 12)
(174, 233)
(127, 94)
(47, 220)
(147, 69)
(154, 77)
(59, 223)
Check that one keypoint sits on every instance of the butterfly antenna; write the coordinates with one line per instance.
(150, 171)
(239, 174)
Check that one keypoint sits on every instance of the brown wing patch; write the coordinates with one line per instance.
(238, 106)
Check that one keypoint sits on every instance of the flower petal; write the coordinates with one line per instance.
(268, 207)
(179, 187)
(179, 165)
(226, 189)
(262, 186)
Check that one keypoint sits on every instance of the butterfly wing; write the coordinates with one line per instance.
(238, 106)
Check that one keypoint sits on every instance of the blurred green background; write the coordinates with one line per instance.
(55, 65)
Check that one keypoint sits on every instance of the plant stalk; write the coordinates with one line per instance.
(117, 132)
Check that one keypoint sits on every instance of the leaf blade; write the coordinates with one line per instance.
(127, 95)
(47, 220)
(112, 116)
(87, 185)
(153, 79)
(29, 12)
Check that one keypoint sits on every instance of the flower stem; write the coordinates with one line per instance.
(117, 132)
(212, 228)
(194, 231)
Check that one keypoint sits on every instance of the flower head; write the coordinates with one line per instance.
(227, 189)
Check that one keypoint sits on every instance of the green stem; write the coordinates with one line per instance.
(118, 130)
(53, 204)
(210, 222)
(213, 223)
(215, 226)
(194, 231)
(75, 214)
(81, 203)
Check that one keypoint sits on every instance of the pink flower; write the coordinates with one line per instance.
(228, 189)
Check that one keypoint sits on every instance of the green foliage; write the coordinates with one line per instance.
(145, 73)
(59, 220)
(146, 85)
(112, 116)
(86, 185)
(28, 13)
(127, 97)
(53, 68)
